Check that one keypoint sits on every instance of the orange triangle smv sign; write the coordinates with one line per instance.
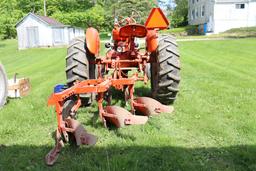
(157, 19)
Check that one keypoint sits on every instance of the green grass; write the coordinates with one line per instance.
(242, 29)
(212, 128)
(240, 32)
(183, 33)
(105, 36)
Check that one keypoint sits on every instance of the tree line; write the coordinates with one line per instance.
(81, 13)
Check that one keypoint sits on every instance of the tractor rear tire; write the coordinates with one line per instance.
(3, 86)
(165, 70)
(79, 66)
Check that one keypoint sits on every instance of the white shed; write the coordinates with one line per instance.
(40, 31)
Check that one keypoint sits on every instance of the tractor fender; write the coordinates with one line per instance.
(151, 40)
(92, 39)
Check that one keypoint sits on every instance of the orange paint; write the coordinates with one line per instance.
(151, 40)
(115, 34)
(92, 40)
(133, 30)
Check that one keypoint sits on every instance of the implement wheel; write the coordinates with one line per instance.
(79, 66)
(3, 86)
(165, 71)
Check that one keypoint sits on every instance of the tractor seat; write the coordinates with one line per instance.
(133, 30)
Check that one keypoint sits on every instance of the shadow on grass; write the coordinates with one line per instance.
(141, 91)
(2, 45)
(130, 158)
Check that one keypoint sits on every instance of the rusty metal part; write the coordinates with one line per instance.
(53, 155)
(121, 117)
(81, 136)
(148, 106)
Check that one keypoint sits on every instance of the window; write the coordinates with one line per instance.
(58, 35)
(240, 6)
(193, 15)
(196, 13)
(193, 1)
(202, 10)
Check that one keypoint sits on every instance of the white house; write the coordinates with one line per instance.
(214, 16)
(41, 31)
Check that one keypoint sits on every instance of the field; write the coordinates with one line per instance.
(213, 126)
(191, 32)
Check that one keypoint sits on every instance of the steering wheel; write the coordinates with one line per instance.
(133, 19)
(135, 16)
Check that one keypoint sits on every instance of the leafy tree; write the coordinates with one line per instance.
(179, 16)
(29, 5)
(93, 17)
(9, 15)
(81, 13)
(115, 8)
(125, 8)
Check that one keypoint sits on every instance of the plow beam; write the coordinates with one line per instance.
(121, 117)
(148, 106)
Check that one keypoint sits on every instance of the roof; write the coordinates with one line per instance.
(47, 20)
(50, 21)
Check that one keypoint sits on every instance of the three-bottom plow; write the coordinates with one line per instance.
(123, 55)
(70, 129)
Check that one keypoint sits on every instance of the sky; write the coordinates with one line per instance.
(164, 7)
(170, 2)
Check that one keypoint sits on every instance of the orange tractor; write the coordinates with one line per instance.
(91, 76)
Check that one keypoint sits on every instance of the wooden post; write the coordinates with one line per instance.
(45, 14)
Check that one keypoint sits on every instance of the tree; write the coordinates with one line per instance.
(179, 16)
(142, 7)
(9, 15)
(81, 13)
(92, 17)
(29, 5)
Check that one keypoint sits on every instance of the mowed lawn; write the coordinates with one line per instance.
(213, 126)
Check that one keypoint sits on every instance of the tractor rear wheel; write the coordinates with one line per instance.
(3, 86)
(165, 71)
(79, 66)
